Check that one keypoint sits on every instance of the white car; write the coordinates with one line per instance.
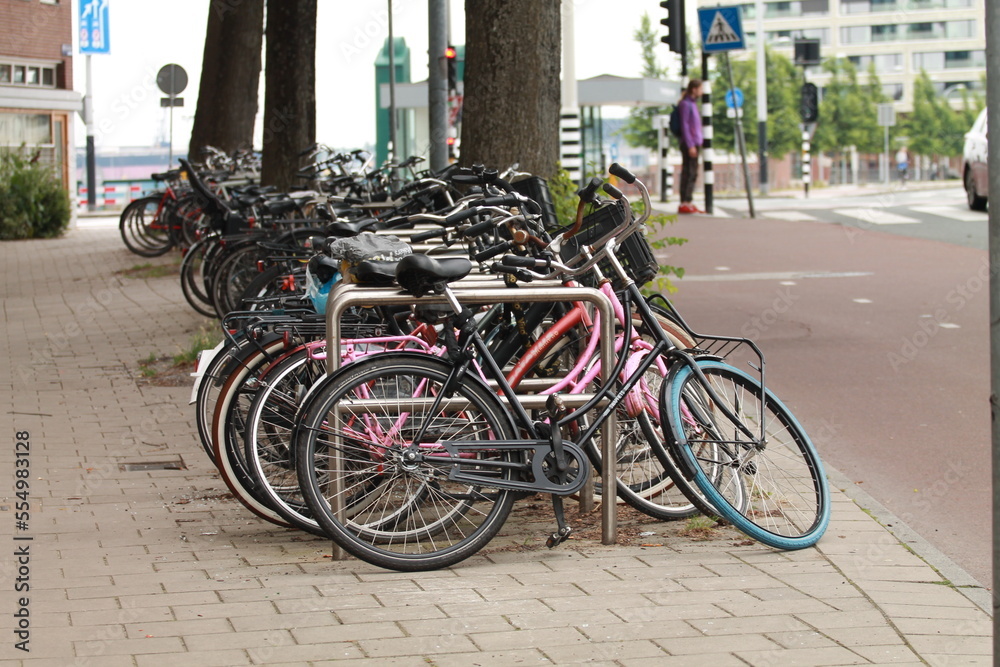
(974, 169)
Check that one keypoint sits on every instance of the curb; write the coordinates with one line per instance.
(963, 582)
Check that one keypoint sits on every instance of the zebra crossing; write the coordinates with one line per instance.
(907, 214)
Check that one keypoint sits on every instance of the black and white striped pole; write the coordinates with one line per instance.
(570, 135)
(706, 128)
(806, 159)
(662, 125)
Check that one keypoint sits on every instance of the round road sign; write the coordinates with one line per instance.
(172, 79)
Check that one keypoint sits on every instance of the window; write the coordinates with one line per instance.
(936, 61)
(27, 74)
(884, 63)
(894, 91)
(883, 33)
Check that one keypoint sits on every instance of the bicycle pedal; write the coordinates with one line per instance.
(558, 537)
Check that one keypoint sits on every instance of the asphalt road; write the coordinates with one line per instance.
(878, 342)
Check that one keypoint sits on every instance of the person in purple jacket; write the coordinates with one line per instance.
(691, 141)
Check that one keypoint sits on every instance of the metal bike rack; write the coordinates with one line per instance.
(477, 289)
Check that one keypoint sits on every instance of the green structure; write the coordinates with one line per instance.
(401, 56)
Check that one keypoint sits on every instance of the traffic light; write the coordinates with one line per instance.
(676, 37)
(451, 57)
(809, 104)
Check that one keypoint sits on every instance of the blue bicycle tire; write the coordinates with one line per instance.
(789, 500)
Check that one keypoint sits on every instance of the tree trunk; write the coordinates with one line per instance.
(512, 96)
(289, 89)
(230, 73)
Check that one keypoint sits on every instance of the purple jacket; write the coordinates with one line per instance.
(690, 123)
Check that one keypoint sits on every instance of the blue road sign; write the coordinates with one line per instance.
(94, 36)
(721, 28)
(734, 98)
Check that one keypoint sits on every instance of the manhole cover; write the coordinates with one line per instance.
(176, 464)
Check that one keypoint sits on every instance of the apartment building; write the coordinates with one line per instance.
(946, 38)
(37, 101)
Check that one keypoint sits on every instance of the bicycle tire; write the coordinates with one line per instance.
(227, 458)
(269, 439)
(215, 375)
(439, 522)
(788, 505)
(139, 237)
(191, 275)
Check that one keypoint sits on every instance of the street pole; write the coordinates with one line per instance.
(437, 83)
(761, 99)
(706, 125)
(740, 141)
(570, 130)
(88, 118)
(393, 147)
(993, 117)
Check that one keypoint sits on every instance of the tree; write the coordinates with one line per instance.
(783, 84)
(638, 129)
(230, 73)
(848, 114)
(934, 127)
(510, 112)
(289, 89)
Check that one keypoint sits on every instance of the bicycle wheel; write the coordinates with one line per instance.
(268, 439)
(358, 434)
(143, 229)
(787, 499)
(192, 277)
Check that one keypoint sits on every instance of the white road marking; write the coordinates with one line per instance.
(861, 300)
(953, 212)
(792, 216)
(875, 216)
(949, 325)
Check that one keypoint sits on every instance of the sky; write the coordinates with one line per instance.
(127, 108)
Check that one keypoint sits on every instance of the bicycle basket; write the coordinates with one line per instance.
(537, 189)
(635, 254)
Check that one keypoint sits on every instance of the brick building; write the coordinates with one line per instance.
(37, 101)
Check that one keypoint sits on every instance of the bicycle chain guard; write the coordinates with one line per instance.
(540, 464)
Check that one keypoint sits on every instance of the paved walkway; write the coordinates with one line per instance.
(158, 567)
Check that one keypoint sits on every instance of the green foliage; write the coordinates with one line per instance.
(848, 112)
(934, 127)
(33, 203)
(563, 191)
(783, 83)
(207, 337)
(638, 131)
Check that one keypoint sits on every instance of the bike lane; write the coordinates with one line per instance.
(879, 345)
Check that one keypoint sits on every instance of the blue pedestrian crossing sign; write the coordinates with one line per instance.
(721, 28)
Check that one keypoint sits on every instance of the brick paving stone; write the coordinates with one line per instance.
(711, 660)
(450, 626)
(800, 639)
(609, 653)
(101, 647)
(299, 654)
(225, 658)
(887, 654)
(172, 628)
(335, 632)
(707, 648)
(816, 657)
(747, 624)
(543, 638)
(421, 646)
(428, 612)
(942, 614)
(639, 630)
(558, 619)
(530, 656)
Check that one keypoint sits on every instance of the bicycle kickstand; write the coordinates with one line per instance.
(563, 532)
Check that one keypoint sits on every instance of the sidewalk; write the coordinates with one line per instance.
(137, 567)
